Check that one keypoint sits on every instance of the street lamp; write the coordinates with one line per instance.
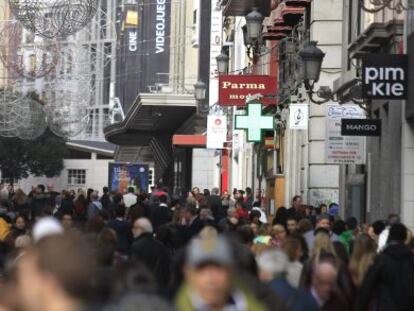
(200, 89)
(311, 57)
(254, 22)
(222, 63)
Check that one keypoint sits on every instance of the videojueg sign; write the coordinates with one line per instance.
(384, 76)
(235, 89)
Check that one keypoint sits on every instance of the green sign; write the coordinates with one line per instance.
(254, 122)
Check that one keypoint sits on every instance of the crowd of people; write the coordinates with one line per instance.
(206, 251)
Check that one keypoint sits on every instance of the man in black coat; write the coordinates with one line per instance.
(193, 223)
(122, 229)
(214, 202)
(160, 213)
(390, 279)
(150, 252)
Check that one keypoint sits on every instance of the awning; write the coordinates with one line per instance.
(274, 36)
(190, 141)
(285, 15)
(244, 7)
(151, 114)
(298, 3)
(99, 147)
(151, 122)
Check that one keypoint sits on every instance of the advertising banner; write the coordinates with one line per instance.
(299, 116)
(128, 56)
(343, 149)
(216, 131)
(156, 32)
(384, 76)
(124, 175)
(143, 51)
(215, 49)
(235, 89)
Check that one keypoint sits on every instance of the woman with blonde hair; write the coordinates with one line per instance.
(278, 234)
(324, 251)
(364, 252)
(322, 245)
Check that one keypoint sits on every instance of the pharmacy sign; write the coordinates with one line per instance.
(254, 122)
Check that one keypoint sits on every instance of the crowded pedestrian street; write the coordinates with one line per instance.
(206, 155)
(205, 251)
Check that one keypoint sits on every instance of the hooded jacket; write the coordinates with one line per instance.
(389, 280)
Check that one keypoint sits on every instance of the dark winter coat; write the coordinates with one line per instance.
(389, 281)
(154, 255)
(214, 202)
(160, 215)
(123, 233)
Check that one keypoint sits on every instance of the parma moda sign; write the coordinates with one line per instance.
(234, 90)
(384, 76)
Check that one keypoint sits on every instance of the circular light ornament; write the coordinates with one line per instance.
(27, 55)
(11, 112)
(35, 120)
(54, 18)
(68, 114)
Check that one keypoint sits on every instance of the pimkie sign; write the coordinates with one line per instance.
(384, 76)
(234, 90)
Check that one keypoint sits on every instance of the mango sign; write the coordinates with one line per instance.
(234, 89)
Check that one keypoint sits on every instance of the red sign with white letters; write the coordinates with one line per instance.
(234, 90)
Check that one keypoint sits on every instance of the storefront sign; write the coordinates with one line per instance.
(254, 122)
(299, 116)
(234, 90)
(216, 131)
(343, 149)
(361, 127)
(384, 76)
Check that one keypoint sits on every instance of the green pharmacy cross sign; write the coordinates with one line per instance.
(254, 122)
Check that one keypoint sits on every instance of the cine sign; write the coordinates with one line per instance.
(360, 127)
(384, 76)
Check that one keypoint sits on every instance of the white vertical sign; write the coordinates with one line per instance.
(215, 49)
(343, 149)
(216, 131)
(299, 116)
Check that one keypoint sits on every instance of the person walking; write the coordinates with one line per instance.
(160, 213)
(388, 284)
(95, 207)
(122, 229)
(273, 268)
(130, 198)
(210, 281)
(149, 251)
(363, 255)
